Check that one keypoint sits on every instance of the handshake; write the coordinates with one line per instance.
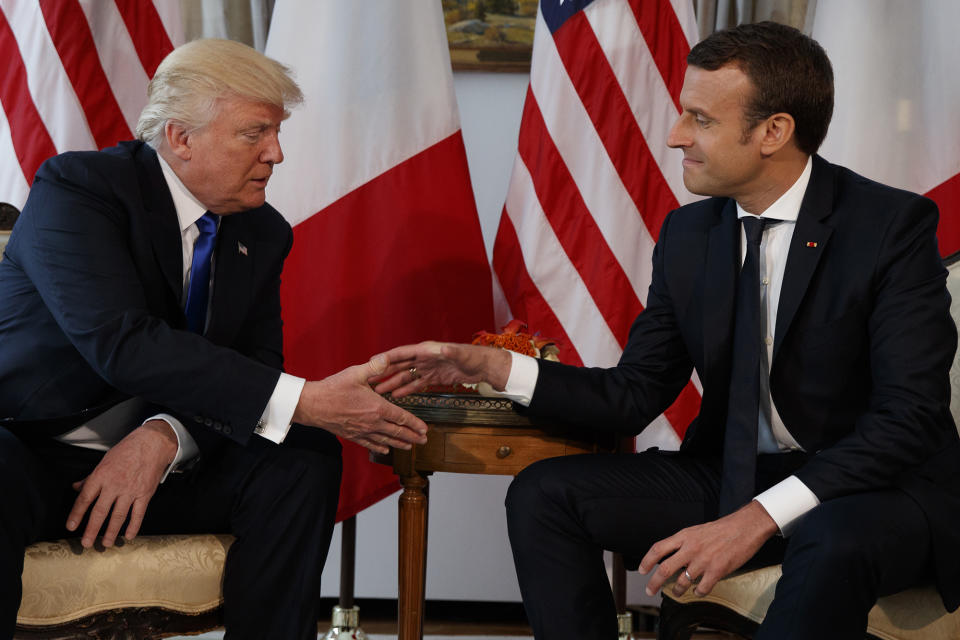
(349, 403)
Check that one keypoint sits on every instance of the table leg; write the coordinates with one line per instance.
(412, 556)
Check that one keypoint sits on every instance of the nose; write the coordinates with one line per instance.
(679, 135)
(272, 153)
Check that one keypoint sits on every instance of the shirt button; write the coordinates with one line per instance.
(765, 281)
(768, 340)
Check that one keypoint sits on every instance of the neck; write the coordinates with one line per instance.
(777, 177)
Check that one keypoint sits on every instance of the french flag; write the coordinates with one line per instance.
(387, 244)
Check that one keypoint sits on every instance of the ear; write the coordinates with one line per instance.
(178, 139)
(776, 131)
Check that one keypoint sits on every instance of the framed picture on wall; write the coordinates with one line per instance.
(490, 35)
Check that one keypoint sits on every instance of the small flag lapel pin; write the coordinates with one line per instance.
(242, 248)
(810, 245)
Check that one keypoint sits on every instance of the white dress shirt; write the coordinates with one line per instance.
(109, 428)
(789, 499)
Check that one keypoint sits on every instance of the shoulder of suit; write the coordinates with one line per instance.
(87, 169)
(267, 220)
(851, 187)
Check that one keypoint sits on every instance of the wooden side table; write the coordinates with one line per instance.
(468, 434)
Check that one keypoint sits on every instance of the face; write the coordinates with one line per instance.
(719, 157)
(229, 160)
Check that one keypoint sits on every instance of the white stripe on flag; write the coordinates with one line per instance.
(555, 276)
(642, 85)
(118, 58)
(577, 140)
(13, 186)
(50, 87)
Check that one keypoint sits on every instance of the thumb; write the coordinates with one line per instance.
(377, 365)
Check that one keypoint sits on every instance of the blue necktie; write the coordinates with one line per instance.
(738, 480)
(199, 290)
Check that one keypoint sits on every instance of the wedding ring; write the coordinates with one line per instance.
(686, 574)
(413, 373)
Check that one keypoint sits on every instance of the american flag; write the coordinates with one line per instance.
(594, 179)
(75, 77)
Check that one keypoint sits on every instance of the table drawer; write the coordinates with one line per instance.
(500, 450)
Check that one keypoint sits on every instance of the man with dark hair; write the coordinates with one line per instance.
(812, 304)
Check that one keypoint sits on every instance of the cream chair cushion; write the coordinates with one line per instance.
(63, 582)
(916, 614)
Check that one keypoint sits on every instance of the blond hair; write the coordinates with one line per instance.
(191, 79)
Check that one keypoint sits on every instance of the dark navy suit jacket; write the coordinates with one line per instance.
(90, 291)
(863, 346)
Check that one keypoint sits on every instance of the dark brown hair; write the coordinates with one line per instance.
(790, 73)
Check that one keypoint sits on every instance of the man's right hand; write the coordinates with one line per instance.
(345, 405)
(416, 366)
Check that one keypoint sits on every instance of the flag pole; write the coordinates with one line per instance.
(345, 621)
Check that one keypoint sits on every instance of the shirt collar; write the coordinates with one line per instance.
(189, 209)
(787, 206)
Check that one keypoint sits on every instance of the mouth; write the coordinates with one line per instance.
(260, 182)
(690, 162)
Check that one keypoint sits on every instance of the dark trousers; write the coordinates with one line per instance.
(562, 513)
(279, 502)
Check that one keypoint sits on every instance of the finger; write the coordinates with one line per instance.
(657, 552)
(376, 447)
(394, 366)
(98, 514)
(87, 495)
(400, 384)
(408, 382)
(685, 579)
(706, 584)
(137, 513)
(412, 429)
(117, 516)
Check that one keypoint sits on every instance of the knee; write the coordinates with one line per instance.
(537, 493)
(822, 545)
(298, 477)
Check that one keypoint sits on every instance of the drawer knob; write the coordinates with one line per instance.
(504, 451)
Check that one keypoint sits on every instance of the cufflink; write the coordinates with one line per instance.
(260, 428)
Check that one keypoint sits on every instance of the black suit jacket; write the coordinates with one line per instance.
(863, 346)
(90, 292)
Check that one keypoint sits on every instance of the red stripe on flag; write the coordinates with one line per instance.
(74, 43)
(147, 32)
(398, 260)
(522, 294)
(666, 41)
(947, 197)
(597, 86)
(575, 227)
(684, 409)
(31, 141)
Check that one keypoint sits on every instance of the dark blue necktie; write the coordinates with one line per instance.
(199, 290)
(738, 480)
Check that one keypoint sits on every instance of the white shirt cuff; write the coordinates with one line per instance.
(187, 448)
(786, 502)
(522, 379)
(275, 421)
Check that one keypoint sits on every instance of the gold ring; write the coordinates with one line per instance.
(413, 372)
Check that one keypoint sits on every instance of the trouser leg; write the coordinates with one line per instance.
(844, 555)
(280, 503)
(562, 513)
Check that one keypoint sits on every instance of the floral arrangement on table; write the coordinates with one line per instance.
(513, 337)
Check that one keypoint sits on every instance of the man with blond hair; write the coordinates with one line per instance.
(141, 384)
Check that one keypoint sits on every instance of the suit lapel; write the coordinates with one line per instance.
(161, 219)
(807, 246)
(233, 273)
(720, 281)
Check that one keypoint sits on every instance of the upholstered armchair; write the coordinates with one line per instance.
(738, 603)
(151, 587)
